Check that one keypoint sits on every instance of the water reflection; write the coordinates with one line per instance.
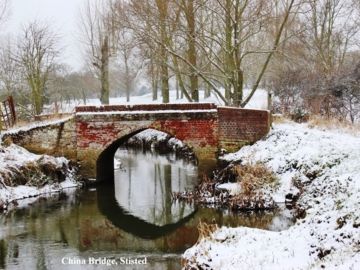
(144, 182)
(138, 226)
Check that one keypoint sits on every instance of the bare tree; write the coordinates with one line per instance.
(129, 59)
(189, 9)
(149, 20)
(9, 70)
(100, 35)
(331, 27)
(8, 66)
(4, 9)
(36, 55)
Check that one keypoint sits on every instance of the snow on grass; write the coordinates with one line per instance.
(232, 188)
(259, 101)
(325, 165)
(10, 194)
(15, 156)
(12, 158)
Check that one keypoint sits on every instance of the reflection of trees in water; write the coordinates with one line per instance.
(261, 220)
(40, 257)
(3, 253)
(99, 235)
(145, 185)
(9, 250)
(167, 196)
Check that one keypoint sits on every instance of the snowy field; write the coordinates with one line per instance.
(325, 167)
(259, 101)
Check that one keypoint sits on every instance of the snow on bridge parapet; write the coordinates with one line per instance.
(147, 107)
(54, 137)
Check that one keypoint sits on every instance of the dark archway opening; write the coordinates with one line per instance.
(105, 162)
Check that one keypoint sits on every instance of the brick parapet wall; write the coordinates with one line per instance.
(238, 127)
(57, 139)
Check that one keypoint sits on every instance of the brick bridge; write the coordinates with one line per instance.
(95, 133)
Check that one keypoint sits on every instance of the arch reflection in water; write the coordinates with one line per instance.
(142, 202)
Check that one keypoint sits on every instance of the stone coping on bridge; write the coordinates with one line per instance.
(243, 109)
(146, 107)
(142, 113)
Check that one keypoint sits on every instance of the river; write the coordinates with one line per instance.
(132, 220)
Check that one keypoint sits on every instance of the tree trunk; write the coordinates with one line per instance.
(83, 94)
(229, 64)
(207, 91)
(177, 89)
(36, 94)
(104, 72)
(164, 81)
(154, 80)
(194, 81)
(127, 78)
(37, 102)
(238, 88)
(180, 80)
(154, 85)
(164, 73)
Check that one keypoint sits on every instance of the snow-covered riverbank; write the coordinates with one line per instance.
(24, 175)
(323, 168)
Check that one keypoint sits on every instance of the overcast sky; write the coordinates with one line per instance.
(61, 14)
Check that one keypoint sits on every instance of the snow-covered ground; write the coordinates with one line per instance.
(325, 167)
(259, 101)
(14, 157)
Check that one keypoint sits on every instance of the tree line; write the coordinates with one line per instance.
(304, 52)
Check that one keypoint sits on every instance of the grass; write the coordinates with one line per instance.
(253, 177)
(333, 123)
(279, 119)
(317, 121)
(206, 230)
(35, 173)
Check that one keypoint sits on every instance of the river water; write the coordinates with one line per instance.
(133, 219)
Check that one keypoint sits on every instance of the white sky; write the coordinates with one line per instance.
(63, 15)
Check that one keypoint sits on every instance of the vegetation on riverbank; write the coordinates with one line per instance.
(237, 187)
